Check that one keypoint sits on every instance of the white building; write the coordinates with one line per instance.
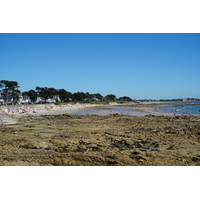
(40, 100)
(54, 99)
(57, 98)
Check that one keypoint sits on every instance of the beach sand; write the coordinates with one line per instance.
(5, 119)
(10, 114)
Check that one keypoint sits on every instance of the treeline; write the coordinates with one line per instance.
(8, 89)
(66, 96)
(11, 88)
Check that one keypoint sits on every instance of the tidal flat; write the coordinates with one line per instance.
(93, 140)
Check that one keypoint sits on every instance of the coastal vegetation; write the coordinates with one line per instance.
(10, 90)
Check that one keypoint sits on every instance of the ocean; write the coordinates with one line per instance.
(186, 108)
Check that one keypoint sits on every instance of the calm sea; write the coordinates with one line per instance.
(185, 108)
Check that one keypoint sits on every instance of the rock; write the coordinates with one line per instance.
(111, 162)
(57, 161)
(138, 157)
(137, 152)
(140, 145)
(171, 147)
(82, 142)
(196, 159)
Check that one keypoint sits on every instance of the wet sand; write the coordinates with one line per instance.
(106, 110)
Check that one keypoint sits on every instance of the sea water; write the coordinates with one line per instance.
(185, 109)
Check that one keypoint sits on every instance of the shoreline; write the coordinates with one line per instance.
(134, 112)
(11, 114)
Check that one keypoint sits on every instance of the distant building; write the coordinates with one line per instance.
(57, 98)
(40, 100)
(24, 99)
(49, 100)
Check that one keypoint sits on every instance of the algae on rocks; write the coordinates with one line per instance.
(63, 140)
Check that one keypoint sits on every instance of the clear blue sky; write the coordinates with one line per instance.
(152, 66)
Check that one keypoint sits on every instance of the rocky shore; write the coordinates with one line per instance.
(124, 140)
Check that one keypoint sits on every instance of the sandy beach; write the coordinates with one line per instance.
(11, 114)
(5, 119)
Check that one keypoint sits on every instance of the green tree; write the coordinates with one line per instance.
(99, 96)
(10, 88)
(125, 98)
(88, 96)
(52, 92)
(78, 96)
(32, 94)
(110, 97)
(64, 95)
(46, 92)
(39, 90)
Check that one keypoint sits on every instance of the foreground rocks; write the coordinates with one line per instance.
(101, 140)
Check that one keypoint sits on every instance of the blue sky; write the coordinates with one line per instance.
(151, 66)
